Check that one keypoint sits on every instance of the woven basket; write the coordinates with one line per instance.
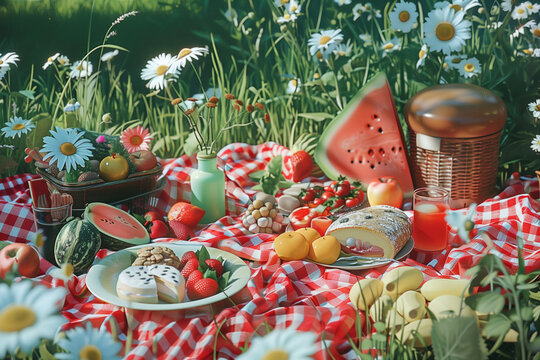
(454, 135)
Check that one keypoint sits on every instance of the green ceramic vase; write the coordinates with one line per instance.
(208, 188)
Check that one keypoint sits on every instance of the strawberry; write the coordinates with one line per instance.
(181, 230)
(187, 256)
(185, 213)
(205, 288)
(302, 164)
(191, 265)
(158, 229)
(154, 215)
(216, 265)
(193, 278)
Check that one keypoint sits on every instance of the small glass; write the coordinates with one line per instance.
(430, 231)
(50, 221)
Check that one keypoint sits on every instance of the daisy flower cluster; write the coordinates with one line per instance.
(62, 60)
(6, 61)
(365, 9)
(291, 11)
(165, 68)
(322, 44)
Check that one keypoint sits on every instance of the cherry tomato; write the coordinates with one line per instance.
(329, 188)
(352, 202)
(338, 202)
(308, 196)
(360, 196)
(343, 190)
(318, 201)
(327, 195)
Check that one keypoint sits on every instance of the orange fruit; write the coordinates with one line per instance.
(325, 250)
(309, 233)
(186, 213)
(291, 246)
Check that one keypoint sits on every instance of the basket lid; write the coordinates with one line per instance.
(455, 111)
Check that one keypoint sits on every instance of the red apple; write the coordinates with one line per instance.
(385, 191)
(26, 258)
(143, 160)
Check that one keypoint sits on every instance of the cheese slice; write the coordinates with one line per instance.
(384, 226)
(147, 284)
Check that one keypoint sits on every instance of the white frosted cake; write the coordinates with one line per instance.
(147, 284)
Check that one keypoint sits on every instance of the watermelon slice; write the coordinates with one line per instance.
(119, 230)
(365, 141)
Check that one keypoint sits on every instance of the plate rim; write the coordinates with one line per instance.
(94, 275)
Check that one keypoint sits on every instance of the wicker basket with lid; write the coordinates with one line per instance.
(454, 133)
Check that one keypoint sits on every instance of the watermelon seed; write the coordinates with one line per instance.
(393, 148)
(381, 151)
(348, 150)
(375, 117)
(372, 166)
(370, 152)
(352, 161)
(369, 126)
(380, 130)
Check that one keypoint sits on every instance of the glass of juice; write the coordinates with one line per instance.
(429, 228)
(50, 221)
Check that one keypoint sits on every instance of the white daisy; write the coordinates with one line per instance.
(422, 54)
(535, 30)
(64, 272)
(533, 8)
(88, 343)
(17, 126)
(66, 148)
(520, 12)
(8, 59)
(535, 143)
(534, 107)
(536, 53)
(452, 62)
(469, 67)
(109, 55)
(159, 70)
(446, 31)
(357, 11)
(280, 3)
(404, 16)
(293, 86)
(187, 54)
(506, 5)
(520, 29)
(63, 60)
(72, 106)
(366, 38)
(343, 49)
(391, 46)
(293, 7)
(81, 69)
(342, 2)
(372, 12)
(27, 315)
(324, 42)
(463, 222)
(282, 344)
(50, 60)
(287, 17)
(458, 5)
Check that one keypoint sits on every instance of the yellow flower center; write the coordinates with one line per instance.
(445, 65)
(16, 317)
(161, 69)
(324, 39)
(367, 7)
(404, 16)
(537, 107)
(1, 61)
(90, 352)
(316, 76)
(294, 83)
(388, 46)
(67, 269)
(39, 240)
(18, 127)
(529, 6)
(283, 2)
(183, 52)
(80, 67)
(528, 51)
(456, 60)
(520, 11)
(319, 55)
(135, 140)
(421, 54)
(61, 61)
(456, 7)
(287, 16)
(68, 149)
(536, 32)
(294, 8)
(50, 59)
(276, 354)
(445, 31)
(469, 67)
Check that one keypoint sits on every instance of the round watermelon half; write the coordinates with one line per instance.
(119, 229)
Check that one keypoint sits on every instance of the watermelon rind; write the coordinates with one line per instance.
(77, 243)
(321, 157)
(116, 241)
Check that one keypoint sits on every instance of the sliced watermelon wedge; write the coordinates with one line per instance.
(365, 141)
(119, 229)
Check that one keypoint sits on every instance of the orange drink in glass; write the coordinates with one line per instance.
(429, 228)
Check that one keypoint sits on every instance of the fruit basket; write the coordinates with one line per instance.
(136, 189)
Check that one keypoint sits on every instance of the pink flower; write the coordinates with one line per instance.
(100, 139)
(136, 139)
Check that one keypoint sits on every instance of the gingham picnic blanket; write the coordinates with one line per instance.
(279, 294)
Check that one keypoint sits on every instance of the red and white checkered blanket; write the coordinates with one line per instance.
(281, 294)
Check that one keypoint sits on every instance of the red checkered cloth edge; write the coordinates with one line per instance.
(281, 294)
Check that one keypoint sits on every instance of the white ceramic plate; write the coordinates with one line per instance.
(102, 277)
(402, 254)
